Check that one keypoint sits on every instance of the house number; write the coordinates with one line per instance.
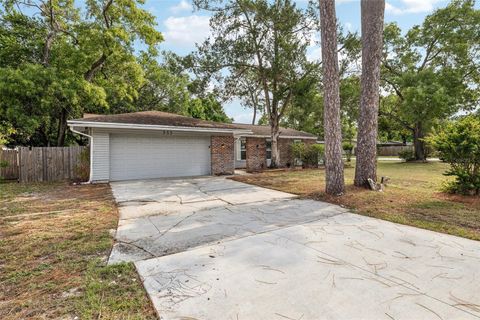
(167, 132)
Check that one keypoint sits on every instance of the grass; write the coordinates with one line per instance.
(54, 241)
(412, 197)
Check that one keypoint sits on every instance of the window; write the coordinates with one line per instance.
(243, 149)
(268, 148)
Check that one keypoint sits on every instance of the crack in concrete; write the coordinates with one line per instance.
(402, 283)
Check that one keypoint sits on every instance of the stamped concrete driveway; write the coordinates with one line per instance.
(212, 248)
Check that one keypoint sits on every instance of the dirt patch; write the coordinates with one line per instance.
(54, 241)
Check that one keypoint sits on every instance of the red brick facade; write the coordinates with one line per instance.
(256, 154)
(222, 150)
(285, 150)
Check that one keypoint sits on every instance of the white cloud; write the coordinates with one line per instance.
(183, 5)
(186, 31)
(314, 53)
(411, 6)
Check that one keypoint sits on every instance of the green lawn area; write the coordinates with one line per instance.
(413, 195)
(54, 242)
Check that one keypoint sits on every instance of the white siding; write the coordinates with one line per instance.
(100, 155)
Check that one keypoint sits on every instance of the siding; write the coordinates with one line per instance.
(100, 155)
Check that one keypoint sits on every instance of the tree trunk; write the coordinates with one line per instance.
(372, 45)
(275, 132)
(254, 119)
(62, 128)
(418, 143)
(335, 183)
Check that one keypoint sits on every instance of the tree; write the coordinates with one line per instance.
(335, 183)
(207, 108)
(260, 40)
(67, 64)
(372, 34)
(433, 69)
(458, 143)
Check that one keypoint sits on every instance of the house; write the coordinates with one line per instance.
(154, 144)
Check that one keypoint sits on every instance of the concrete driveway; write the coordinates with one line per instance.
(212, 248)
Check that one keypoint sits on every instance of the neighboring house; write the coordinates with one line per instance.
(155, 144)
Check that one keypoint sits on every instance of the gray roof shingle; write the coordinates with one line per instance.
(171, 119)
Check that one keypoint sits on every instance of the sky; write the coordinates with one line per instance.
(182, 28)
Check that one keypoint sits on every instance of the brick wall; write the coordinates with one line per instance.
(222, 150)
(286, 156)
(256, 154)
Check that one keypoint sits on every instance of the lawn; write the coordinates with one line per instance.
(413, 195)
(54, 242)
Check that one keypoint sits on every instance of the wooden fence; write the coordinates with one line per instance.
(10, 159)
(392, 150)
(41, 164)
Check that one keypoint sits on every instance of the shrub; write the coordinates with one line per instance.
(82, 170)
(458, 144)
(407, 155)
(348, 149)
(309, 154)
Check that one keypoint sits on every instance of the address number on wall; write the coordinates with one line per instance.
(167, 132)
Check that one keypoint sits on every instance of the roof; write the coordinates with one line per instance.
(144, 119)
(259, 130)
(157, 118)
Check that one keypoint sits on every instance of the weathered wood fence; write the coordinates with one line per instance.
(392, 150)
(9, 170)
(41, 164)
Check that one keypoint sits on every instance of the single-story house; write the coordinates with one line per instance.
(154, 144)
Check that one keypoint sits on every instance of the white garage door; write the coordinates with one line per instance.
(145, 157)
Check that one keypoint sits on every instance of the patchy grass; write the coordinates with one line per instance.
(412, 197)
(54, 241)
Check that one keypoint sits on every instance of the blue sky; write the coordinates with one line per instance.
(182, 27)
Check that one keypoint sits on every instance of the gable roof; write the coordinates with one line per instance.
(149, 119)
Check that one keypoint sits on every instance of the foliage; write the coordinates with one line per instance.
(258, 42)
(407, 155)
(309, 154)
(458, 143)
(433, 70)
(306, 111)
(207, 108)
(348, 149)
(82, 169)
(60, 59)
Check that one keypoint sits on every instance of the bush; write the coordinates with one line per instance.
(348, 149)
(458, 144)
(309, 154)
(407, 155)
(82, 170)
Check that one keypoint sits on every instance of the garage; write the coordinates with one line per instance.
(155, 144)
(145, 157)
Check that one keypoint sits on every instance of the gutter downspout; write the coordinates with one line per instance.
(90, 139)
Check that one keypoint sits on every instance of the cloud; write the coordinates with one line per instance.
(183, 5)
(412, 6)
(186, 31)
(314, 53)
